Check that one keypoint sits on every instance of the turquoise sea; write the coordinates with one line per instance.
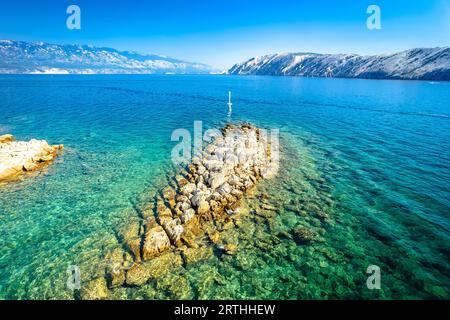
(365, 166)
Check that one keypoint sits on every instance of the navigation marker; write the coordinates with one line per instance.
(229, 102)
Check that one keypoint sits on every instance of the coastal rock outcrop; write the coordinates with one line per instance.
(202, 200)
(19, 157)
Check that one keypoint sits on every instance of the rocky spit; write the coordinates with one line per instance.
(20, 157)
(182, 226)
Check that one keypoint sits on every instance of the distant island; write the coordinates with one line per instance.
(414, 64)
(20, 57)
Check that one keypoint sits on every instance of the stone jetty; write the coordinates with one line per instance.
(21, 157)
(206, 193)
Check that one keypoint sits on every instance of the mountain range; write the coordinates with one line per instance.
(41, 57)
(414, 64)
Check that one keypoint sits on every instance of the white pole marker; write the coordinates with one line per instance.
(229, 101)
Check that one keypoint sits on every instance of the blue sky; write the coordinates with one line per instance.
(223, 32)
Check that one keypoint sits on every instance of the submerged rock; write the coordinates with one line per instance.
(95, 290)
(214, 237)
(135, 248)
(19, 157)
(230, 249)
(303, 235)
(192, 255)
(116, 263)
(156, 241)
(141, 273)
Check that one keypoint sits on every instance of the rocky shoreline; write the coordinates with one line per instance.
(184, 225)
(21, 157)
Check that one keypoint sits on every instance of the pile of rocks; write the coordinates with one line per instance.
(18, 157)
(208, 190)
(213, 185)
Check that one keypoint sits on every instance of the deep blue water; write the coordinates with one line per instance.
(381, 149)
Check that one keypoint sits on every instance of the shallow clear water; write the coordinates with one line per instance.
(373, 157)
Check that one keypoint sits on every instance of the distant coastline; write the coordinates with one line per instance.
(415, 64)
(19, 57)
